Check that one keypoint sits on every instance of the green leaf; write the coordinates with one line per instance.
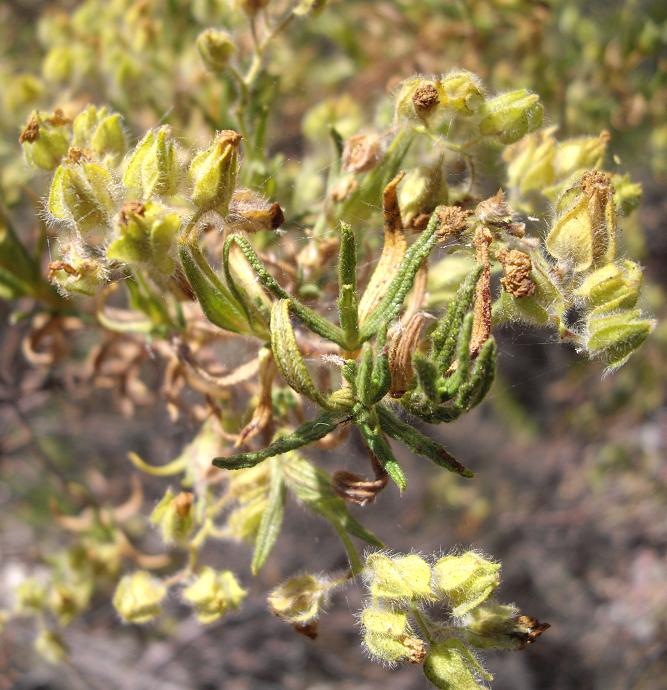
(418, 442)
(348, 300)
(311, 318)
(272, 519)
(287, 356)
(305, 434)
(312, 486)
(217, 302)
(377, 444)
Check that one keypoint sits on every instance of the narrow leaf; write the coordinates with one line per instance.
(272, 519)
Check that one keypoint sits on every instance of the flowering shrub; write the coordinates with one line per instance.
(472, 213)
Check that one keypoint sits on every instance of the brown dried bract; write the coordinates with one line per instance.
(183, 503)
(402, 345)
(58, 119)
(425, 98)
(481, 326)
(596, 181)
(131, 208)
(356, 489)
(453, 221)
(361, 153)
(495, 210)
(532, 629)
(30, 132)
(416, 647)
(517, 268)
(76, 155)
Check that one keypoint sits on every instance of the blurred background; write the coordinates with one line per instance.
(571, 474)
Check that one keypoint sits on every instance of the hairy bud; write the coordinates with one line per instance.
(213, 172)
(216, 48)
(498, 626)
(213, 593)
(152, 168)
(449, 665)
(389, 637)
(399, 578)
(138, 597)
(77, 271)
(511, 115)
(173, 515)
(463, 92)
(466, 581)
(99, 131)
(300, 599)
(45, 140)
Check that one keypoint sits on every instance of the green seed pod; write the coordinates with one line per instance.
(146, 234)
(77, 271)
(213, 172)
(449, 665)
(512, 115)
(614, 286)
(399, 578)
(580, 153)
(388, 636)
(81, 194)
(152, 169)
(173, 515)
(300, 599)
(463, 92)
(45, 140)
(138, 597)
(216, 48)
(499, 626)
(99, 131)
(531, 162)
(584, 236)
(465, 581)
(213, 593)
(614, 337)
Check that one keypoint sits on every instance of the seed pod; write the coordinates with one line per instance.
(173, 515)
(465, 581)
(45, 140)
(100, 131)
(511, 115)
(300, 599)
(417, 99)
(213, 172)
(216, 48)
(580, 153)
(612, 287)
(499, 626)
(584, 236)
(138, 597)
(389, 637)
(463, 92)
(81, 194)
(213, 594)
(614, 337)
(152, 168)
(399, 578)
(449, 665)
(531, 162)
(77, 271)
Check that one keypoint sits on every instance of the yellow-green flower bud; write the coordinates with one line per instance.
(81, 194)
(614, 337)
(213, 593)
(531, 162)
(418, 99)
(152, 169)
(463, 92)
(399, 578)
(30, 596)
(99, 131)
(216, 48)
(59, 64)
(580, 153)
(300, 599)
(213, 172)
(465, 581)
(138, 597)
(77, 271)
(67, 600)
(51, 646)
(512, 115)
(422, 189)
(585, 235)
(612, 287)
(449, 665)
(146, 234)
(499, 626)
(45, 140)
(627, 193)
(388, 636)
(173, 515)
